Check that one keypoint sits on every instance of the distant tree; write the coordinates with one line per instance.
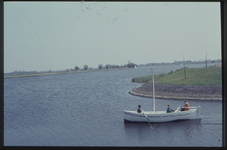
(77, 68)
(107, 66)
(131, 65)
(85, 67)
(124, 65)
(112, 66)
(100, 66)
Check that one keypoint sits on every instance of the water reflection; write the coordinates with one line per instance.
(165, 133)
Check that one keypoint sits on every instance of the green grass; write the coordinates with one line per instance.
(147, 78)
(194, 76)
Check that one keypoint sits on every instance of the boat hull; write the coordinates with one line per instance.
(161, 116)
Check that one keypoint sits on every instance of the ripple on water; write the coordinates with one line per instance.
(86, 109)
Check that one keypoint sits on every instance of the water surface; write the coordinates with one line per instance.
(86, 109)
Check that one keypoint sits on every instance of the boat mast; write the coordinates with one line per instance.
(153, 90)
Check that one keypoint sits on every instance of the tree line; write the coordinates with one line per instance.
(107, 66)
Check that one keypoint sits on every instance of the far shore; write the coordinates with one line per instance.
(19, 75)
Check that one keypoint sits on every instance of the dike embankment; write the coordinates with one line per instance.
(181, 92)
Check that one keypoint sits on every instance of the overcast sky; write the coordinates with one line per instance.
(39, 36)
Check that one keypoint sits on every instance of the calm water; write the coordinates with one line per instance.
(86, 109)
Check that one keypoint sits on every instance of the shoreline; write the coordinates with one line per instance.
(15, 75)
(56, 73)
(180, 92)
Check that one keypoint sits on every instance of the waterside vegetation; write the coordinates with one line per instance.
(194, 76)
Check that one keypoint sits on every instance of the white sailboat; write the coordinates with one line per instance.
(161, 116)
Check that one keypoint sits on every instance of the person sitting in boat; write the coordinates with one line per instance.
(169, 110)
(186, 105)
(139, 109)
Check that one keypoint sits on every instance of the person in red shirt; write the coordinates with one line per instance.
(186, 106)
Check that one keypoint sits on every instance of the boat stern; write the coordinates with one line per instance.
(198, 115)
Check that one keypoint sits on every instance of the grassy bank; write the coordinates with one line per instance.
(194, 76)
